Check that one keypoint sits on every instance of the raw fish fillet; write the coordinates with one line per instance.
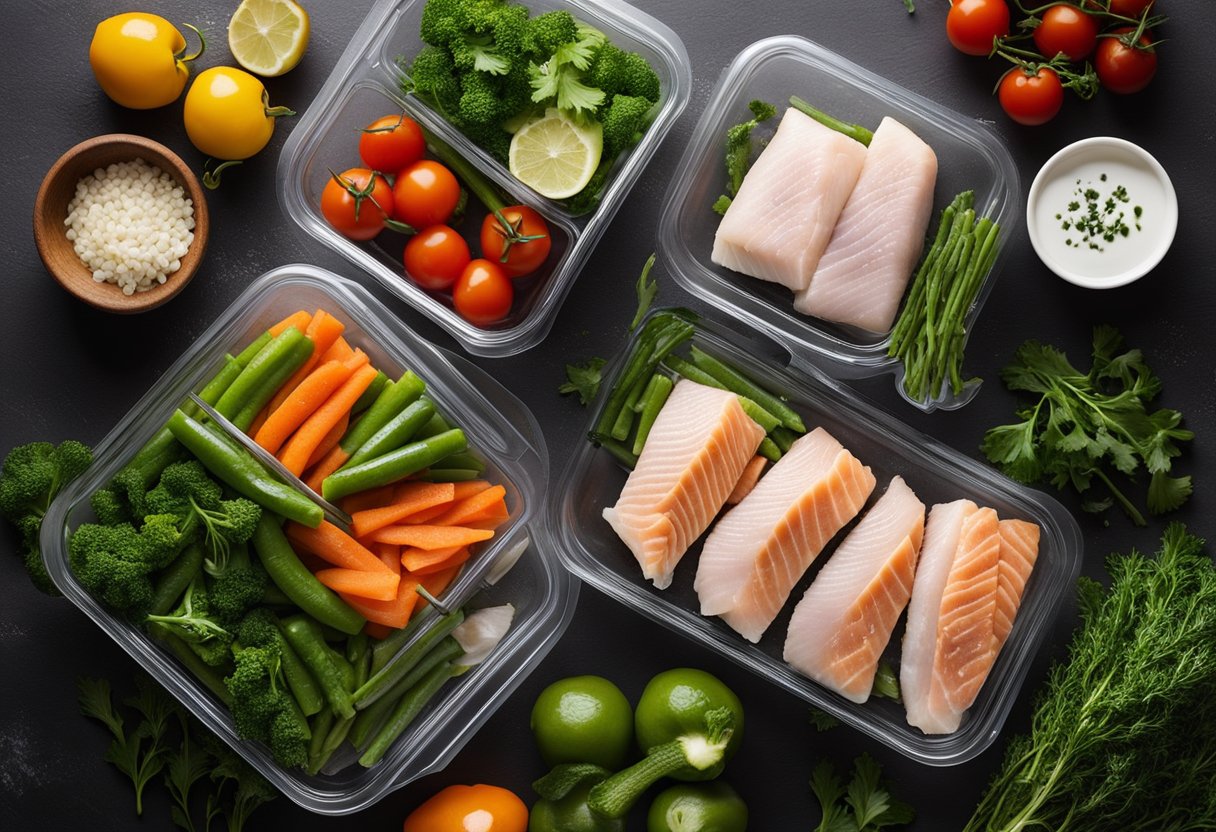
(843, 623)
(693, 457)
(1019, 549)
(761, 547)
(879, 236)
(942, 532)
(780, 222)
(747, 481)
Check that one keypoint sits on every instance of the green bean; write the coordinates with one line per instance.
(368, 397)
(393, 466)
(783, 438)
(407, 711)
(760, 415)
(434, 427)
(211, 677)
(736, 382)
(386, 648)
(463, 460)
(768, 449)
(395, 432)
(305, 638)
(657, 391)
(268, 362)
(372, 718)
(319, 726)
(659, 336)
(219, 384)
(271, 382)
(303, 686)
(334, 739)
(173, 581)
(450, 475)
(396, 396)
(388, 676)
(625, 456)
(297, 582)
(255, 346)
(624, 420)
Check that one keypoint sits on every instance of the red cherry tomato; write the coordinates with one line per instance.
(1031, 99)
(356, 203)
(467, 808)
(391, 143)
(425, 194)
(1126, 8)
(1067, 29)
(972, 24)
(1125, 69)
(483, 293)
(521, 256)
(436, 256)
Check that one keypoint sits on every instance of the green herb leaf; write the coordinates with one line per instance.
(584, 379)
(646, 290)
(910, 5)
(96, 702)
(823, 721)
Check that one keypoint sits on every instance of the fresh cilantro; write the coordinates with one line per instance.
(128, 751)
(186, 766)
(865, 806)
(823, 721)
(1087, 427)
(561, 81)
(646, 290)
(584, 379)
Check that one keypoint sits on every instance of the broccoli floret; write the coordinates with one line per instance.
(194, 622)
(260, 628)
(480, 100)
(483, 35)
(186, 490)
(32, 476)
(432, 77)
(624, 120)
(548, 32)
(238, 588)
(110, 508)
(263, 708)
(739, 146)
(618, 72)
(115, 562)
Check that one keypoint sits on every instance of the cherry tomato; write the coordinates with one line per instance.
(1125, 69)
(1126, 8)
(468, 808)
(483, 293)
(1067, 29)
(391, 143)
(356, 203)
(426, 193)
(522, 256)
(435, 257)
(972, 24)
(1031, 99)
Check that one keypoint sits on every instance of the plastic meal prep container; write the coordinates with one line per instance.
(365, 85)
(499, 428)
(592, 481)
(970, 157)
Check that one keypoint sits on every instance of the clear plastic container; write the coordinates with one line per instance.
(365, 85)
(970, 157)
(500, 429)
(592, 481)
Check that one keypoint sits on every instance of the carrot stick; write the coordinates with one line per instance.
(406, 501)
(426, 515)
(492, 518)
(412, 559)
(375, 586)
(334, 546)
(330, 441)
(323, 330)
(463, 490)
(372, 498)
(467, 489)
(329, 463)
(300, 447)
(302, 402)
(389, 555)
(471, 508)
(299, 320)
(375, 630)
(451, 562)
(430, 537)
(339, 351)
(395, 613)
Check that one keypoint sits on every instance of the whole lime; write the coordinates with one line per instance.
(583, 719)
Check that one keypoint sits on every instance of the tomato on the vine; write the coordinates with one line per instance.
(483, 293)
(1065, 28)
(436, 256)
(1031, 99)
(1123, 68)
(971, 25)
(392, 143)
(519, 247)
(425, 193)
(357, 202)
(1125, 8)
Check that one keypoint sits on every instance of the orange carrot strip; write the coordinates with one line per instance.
(465, 490)
(334, 546)
(426, 515)
(471, 507)
(389, 555)
(490, 517)
(419, 496)
(332, 461)
(376, 586)
(330, 441)
(372, 498)
(339, 351)
(747, 480)
(431, 537)
(323, 330)
(377, 631)
(299, 320)
(453, 561)
(395, 613)
(258, 421)
(301, 403)
(413, 558)
(300, 447)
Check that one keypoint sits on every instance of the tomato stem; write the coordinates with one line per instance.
(388, 128)
(202, 46)
(211, 178)
(510, 234)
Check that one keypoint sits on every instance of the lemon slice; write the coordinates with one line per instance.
(268, 37)
(556, 155)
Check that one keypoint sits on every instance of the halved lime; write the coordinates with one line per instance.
(555, 155)
(268, 37)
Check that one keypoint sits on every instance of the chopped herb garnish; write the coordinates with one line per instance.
(1098, 218)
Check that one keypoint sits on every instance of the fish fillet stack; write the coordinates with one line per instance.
(840, 225)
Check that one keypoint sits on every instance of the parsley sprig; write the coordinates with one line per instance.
(1090, 426)
(865, 806)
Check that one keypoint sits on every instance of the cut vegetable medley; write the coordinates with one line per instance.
(714, 437)
(316, 634)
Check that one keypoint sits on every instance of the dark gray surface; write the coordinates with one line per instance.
(70, 371)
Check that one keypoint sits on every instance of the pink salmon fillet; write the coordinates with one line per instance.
(878, 239)
(747, 481)
(780, 222)
(761, 547)
(693, 457)
(842, 625)
(1019, 550)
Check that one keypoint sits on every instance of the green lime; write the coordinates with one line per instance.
(583, 719)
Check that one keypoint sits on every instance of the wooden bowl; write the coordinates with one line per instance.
(51, 209)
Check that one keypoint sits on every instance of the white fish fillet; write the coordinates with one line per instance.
(780, 222)
(880, 234)
(692, 460)
(761, 547)
(842, 625)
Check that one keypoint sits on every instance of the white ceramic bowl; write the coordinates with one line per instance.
(1102, 163)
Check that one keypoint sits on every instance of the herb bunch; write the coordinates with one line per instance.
(865, 806)
(1123, 736)
(1088, 426)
